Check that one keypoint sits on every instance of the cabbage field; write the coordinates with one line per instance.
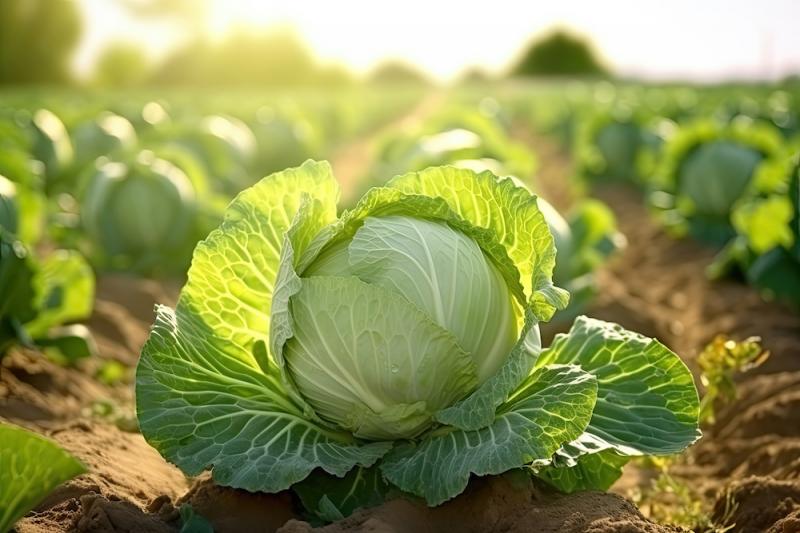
(506, 306)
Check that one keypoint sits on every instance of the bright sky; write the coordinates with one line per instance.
(697, 39)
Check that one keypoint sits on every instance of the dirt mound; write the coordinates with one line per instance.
(754, 394)
(36, 392)
(101, 515)
(503, 503)
(92, 513)
(121, 465)
(757, 504)
(125, 476)
(233, 510)
(786, 525)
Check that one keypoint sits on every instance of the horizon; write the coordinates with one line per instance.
(750, 42)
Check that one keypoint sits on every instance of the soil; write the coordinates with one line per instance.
(498, 504)
(746, 468)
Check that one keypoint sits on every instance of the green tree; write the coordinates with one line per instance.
(121, 65)
(37, 40)
(559, 53)
(395, 71)
(277, 57)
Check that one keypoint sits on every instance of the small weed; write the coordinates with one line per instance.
(719, 362)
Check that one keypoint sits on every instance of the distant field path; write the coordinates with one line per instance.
(351, 161)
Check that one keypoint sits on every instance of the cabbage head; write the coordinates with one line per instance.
(105, 134)
(708, 169)
(395, 348)
(614, 145)
(9, 205)
(51, 144)
(716, 174)
(618, 143)
(138, 210)
(766, 248)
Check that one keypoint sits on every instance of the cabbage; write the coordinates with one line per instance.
(51, 144)
(716, 174)
(708, 168)
(224, 145)
(766, 248)
(613, 144)
(40, 295)
(138, 211)
(9, 208)
(103, 135)
(618, 144)
(283, 141)
(395, 347)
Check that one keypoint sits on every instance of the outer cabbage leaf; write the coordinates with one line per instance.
(777, 274)
(201, 407)
(551, 408)
(31, 466)
(594, 471)
(309, 220)
(232, 277)
(191, 522)
(64, 287)
(647, 403)
(17, 273)
(765, 222)
(478, 409)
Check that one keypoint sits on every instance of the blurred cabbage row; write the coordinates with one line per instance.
(133, 182)
(719, 164)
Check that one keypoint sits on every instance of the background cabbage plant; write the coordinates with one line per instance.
(612, 145)
(395, 348)
(41, 296)
(766, 248)
(707, 168)
(139, 213)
